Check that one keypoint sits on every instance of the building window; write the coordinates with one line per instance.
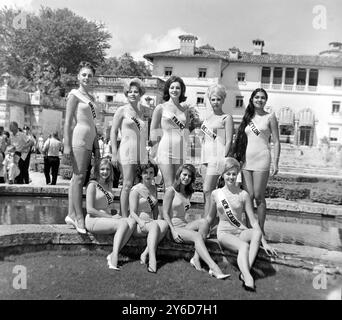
(287, 130)
(109, 98)
(200, 99)
(333, 134)
(241, 77)
(337, 82)
(336, 107)
(313, 77)
(265, 75)
(239, 102)
(289, 76)
(277, 75)
(301, 77)
(167, 71)
(202, 72)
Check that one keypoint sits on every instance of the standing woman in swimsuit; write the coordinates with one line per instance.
(229, 202)
(99, 218)
(134, 134)
(143, 204)
(79, 141)
(252, 148)
(176, 203)
(217, 132)
(171, 121)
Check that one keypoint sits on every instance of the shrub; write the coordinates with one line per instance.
(307, 179)
(65, 172)
(326, 196)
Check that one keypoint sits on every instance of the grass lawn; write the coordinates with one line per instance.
(84, 275)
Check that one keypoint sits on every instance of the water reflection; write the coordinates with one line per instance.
(289, 228)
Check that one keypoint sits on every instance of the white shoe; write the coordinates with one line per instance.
(110, 265)
(218, 276)
(73, 223)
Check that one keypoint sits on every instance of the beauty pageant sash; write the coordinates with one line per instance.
(208, 132)
(86, 100)
(110, 199)
(178, 122)
(254, 128)
(228, 211)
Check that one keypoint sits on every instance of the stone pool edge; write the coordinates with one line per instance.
(16, 239)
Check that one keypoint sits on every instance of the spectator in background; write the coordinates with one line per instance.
(10, 165)
(101, 146)
(23, 144)
(40, 143)
(51, 149)
(31, 149)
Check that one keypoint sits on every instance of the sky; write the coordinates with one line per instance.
(146, 26)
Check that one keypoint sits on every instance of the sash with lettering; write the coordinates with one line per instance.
(254, 128)
(177, 122)
(146, 195)
(228, 211)
(110, 198)
(86, 100)
(208, 132)
(136, 121)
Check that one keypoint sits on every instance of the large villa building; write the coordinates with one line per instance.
(305, 91)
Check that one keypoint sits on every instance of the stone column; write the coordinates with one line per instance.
(296, 132)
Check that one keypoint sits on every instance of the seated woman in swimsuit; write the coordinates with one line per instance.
(99, 219)
(176, 203)
(229, 202)
(143, 204)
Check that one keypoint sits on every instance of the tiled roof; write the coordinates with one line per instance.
(264, 59)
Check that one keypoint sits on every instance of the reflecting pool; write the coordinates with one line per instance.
(286, 227)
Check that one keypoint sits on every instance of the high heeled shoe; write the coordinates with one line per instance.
(247, 288)
(110, 265)
(218, 276)
(73, 223)
(149, 269)
(192, 262)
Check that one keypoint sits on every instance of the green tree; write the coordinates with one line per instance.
(51, 46)
(124, 66)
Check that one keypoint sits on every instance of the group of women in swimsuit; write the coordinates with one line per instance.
(222, 160)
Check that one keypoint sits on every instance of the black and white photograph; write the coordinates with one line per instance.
(170, 155)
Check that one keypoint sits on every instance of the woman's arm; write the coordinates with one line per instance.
(90, 203)
(116, 123)
(69, 116)
(211, 215)
(276, 143)
(155, 125)
(229, 126)
(167, 207)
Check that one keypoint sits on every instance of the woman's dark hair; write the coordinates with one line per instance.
(143, 167)
(166, 95)
(88, 65)
(189, 190)
(240, 142)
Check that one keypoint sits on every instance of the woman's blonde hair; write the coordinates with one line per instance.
(219, 90)
(104, 162)
(229, 163)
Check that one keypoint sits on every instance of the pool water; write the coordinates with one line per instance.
(286, 227)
